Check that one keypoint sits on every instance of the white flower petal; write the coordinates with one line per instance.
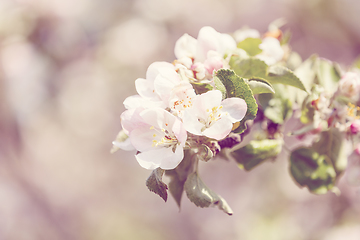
(210, 39)
(235, 107)
(136, 101)
(153, 69)
(179, 130)
(205, 102)
(227, 43)
(219, 130)
(272, 50)
(171, 160)
(125, 145)
(158, 118)
(145, 88)
(185, 46)
(130, 120)
(164, 158)
(191, 123)
(243, 34)
(142, 138)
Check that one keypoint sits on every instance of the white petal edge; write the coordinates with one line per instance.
(164, 158)
(235, 107)
(219, 130)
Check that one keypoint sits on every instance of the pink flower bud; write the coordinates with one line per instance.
(355, 127)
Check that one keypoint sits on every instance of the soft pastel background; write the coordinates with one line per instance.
(66, 67)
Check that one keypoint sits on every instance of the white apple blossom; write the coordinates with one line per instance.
(158, 135)
(272, 51)
(198, 58)
(185, 46)
(211, 117)
(181, 98)
(349, 85)
(244, 33)
(145, 87)
(162, 81)
(209, 39)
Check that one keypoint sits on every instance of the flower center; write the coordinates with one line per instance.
(214, 115)
(164, 138)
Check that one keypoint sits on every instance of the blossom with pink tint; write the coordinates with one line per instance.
(152, 91)
(214, 62)
(157, 88)
(181, 98)
(349, 85)
(211, 117)
(209, 39)
(355, 127)
(158, 135)
(145, 87)
(206, 52)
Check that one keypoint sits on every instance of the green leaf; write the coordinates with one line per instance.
(220, 86)
(278, 110)
(294, 61)
(202, 196)
(277, 107)
(254, 68)
(328, 75)
(256, 152)
(259, 86)
(280, 74)
(201, 87)
(248, 67)
(251, 46)
(236, 87)
(312, 170)
(179, 175)
(176, 185)
(306, 73)
(332, 144)
(156, 185)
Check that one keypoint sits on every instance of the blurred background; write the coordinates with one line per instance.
(65, 69)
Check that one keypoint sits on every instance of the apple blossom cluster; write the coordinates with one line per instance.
(168, 113)
(244, 96)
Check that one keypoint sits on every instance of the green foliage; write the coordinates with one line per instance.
(277, 107)
(328, 75)
(248, 67)
(202, 196)
(201, 88)
(251, 46)
(256, 152)
(280, 74)
(313, 170)
(179, 175)
(254, 68)
(232, 85)
(258, 86)
(156, 185)
(332, 144)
